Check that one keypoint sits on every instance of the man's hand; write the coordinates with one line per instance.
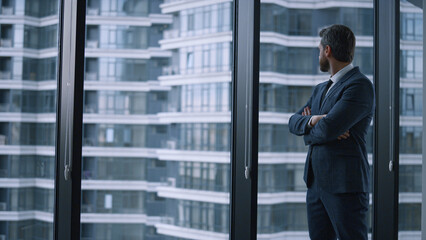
(345, 135)
(315, 118)
(306, 111)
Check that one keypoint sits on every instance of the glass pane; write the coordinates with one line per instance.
(289, 71)
(28, 62)
(410, 129)
(156, 124)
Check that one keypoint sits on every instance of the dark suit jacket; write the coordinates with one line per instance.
(338, 166)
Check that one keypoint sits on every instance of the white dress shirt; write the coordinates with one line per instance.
(335, 78)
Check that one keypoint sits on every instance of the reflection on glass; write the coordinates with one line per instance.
(289, 70)
(410, 129)
(28, 43)
(156, 124)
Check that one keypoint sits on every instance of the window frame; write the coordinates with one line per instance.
(386, 122)
(245, 120)
(72, 17)
(423, 207)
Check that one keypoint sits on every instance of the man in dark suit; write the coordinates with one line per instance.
(334, 124)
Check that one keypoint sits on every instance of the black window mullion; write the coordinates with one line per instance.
(423, 217)
(245, 112)
(386, 139)
(69, 119)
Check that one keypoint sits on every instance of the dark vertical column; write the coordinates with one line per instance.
(245, 114)
(424, 135)
(69, 119)
(386, 139)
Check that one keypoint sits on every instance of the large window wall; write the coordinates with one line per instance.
(158, 99)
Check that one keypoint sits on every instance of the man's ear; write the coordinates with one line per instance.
(327, 51)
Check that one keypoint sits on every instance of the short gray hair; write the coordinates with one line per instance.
(341, 41)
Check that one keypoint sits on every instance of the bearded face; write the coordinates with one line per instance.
(324, 64)
(323, 61)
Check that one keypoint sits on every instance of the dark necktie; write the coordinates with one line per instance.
(325, 90)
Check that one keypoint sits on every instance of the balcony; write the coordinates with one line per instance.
(4, 173)
(168, 34)
(4, 107)
(88, 142)
(92, 11)
(3, 206)
(5, 75)
(6, 43)
(212, 69)
(90, 108)
(2, 139)
(170, 70)
(91, 76)
(6, 10)
(171, 144)
(87, 208)
(92, 44)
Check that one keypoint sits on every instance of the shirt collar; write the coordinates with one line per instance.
(336, 77)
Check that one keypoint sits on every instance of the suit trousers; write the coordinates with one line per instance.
(340, 216)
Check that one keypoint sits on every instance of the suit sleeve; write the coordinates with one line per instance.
(298, 123)
(356, 103)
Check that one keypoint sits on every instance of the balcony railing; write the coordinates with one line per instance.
(90, 108)
(3, 206)
(175, 70)
(171, 70)
(4, 107)
(91, 76)
(4, 173)
(171, 1)
(86, 208)
(92, 44)
(92, 11)
(171, 144)
(89, 142)
(6, 43)
(168, 34)
(7, 10)
(5, 75)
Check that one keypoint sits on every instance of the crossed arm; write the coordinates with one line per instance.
(315, 119)
(356, 102)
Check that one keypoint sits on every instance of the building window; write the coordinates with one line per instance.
(411, 26)
(191, 23)
(190, 62)
(411, 64)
